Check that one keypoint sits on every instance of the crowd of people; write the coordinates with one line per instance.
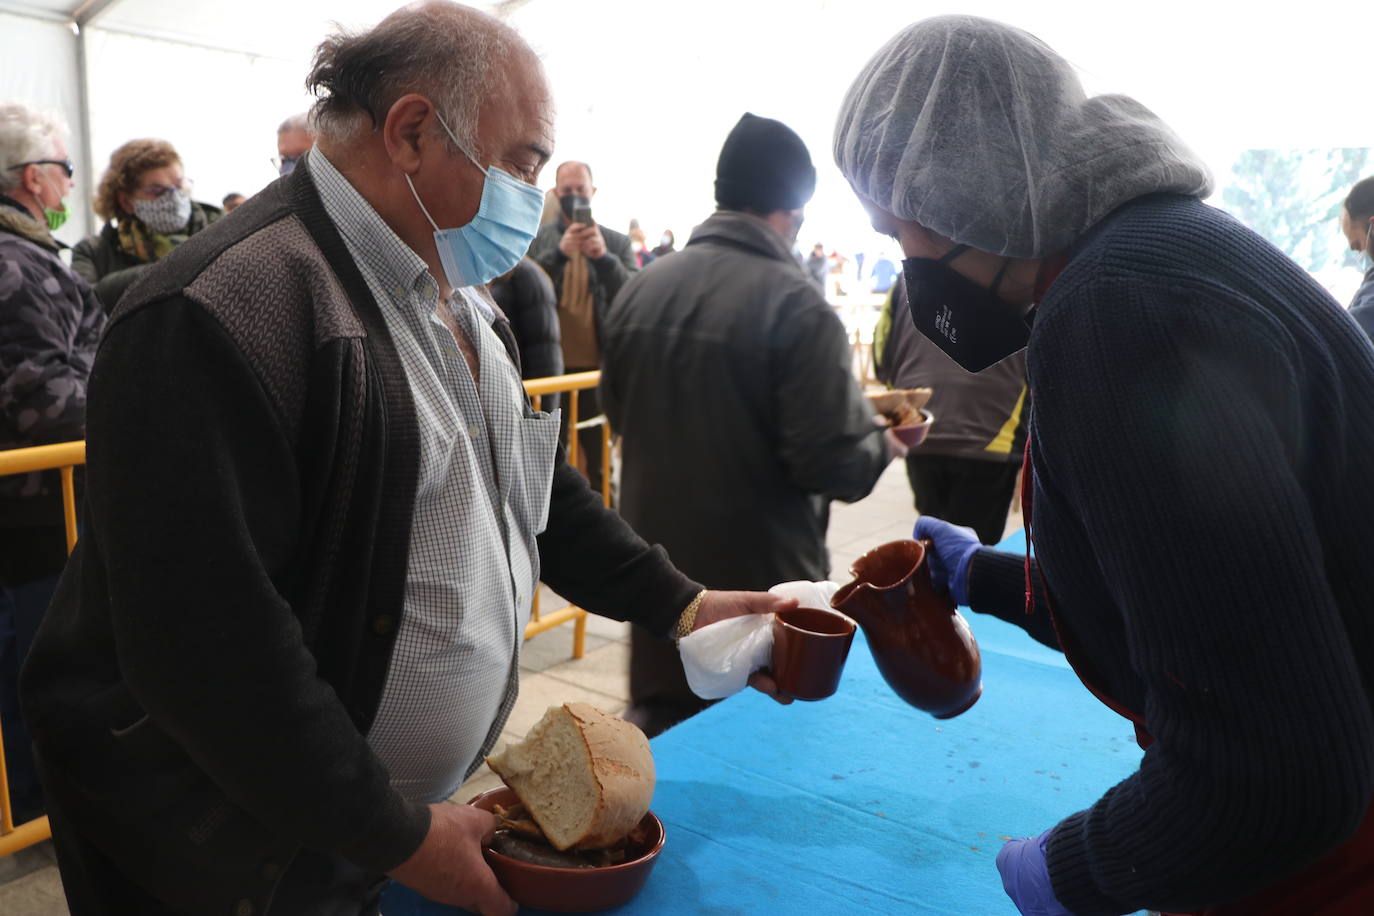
(317, 503)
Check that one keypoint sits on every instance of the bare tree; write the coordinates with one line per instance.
(1293, 197)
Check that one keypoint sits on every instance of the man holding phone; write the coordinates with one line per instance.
(588, 264)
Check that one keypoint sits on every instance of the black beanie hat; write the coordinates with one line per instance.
(764, 166)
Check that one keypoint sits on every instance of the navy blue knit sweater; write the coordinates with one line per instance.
(1203, 453)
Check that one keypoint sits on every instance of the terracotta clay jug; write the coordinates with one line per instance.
(922, 644)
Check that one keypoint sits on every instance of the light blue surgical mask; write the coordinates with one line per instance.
(498, 236)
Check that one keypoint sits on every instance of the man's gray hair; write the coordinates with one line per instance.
(296, 122)
(26, 134)
(453, 54)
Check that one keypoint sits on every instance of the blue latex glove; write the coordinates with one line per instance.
(1026, 878)
(954, 548)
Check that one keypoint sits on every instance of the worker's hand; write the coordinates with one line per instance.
(949, 561)
(593, 245)
(1026, 878)
(449, 868)
(724, 605)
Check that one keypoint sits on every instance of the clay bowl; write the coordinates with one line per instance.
(571, 890)
(914, 435)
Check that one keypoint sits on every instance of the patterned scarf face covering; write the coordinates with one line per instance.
(138, 234)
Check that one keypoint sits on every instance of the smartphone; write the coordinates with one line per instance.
(582, 215)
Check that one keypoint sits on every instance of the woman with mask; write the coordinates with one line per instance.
(1199, 490)
(146, 198)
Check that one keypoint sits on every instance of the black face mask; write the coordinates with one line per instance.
(974, 327)
(570, 202)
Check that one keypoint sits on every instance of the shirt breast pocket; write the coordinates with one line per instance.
(534, 485)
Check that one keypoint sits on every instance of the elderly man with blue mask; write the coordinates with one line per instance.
(1199, 490)
(319, 506)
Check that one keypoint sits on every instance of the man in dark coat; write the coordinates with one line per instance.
(588, 264)
(292, 625)
(728, 377)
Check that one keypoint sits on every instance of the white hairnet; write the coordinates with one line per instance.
(981, 133)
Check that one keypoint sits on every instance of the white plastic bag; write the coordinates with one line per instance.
(719, 658)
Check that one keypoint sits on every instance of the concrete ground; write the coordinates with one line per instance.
(29, 883)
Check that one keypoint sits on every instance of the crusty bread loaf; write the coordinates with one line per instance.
(586, 777)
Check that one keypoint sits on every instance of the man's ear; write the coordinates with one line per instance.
(409, 126)
(30, 180)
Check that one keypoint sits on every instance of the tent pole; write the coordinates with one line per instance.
(28, 11)
(82, 18)
(83, 95)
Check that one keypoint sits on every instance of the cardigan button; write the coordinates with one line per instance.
(270, 871)
(384, 625)
(244, 908)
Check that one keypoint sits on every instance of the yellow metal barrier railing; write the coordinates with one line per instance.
(63, 457)
(571, 385)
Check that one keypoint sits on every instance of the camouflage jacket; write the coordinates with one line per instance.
(50, 323)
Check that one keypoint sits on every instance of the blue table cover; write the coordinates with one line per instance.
(862, 804)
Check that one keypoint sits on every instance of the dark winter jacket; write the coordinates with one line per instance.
(607, 273)
(50, 322)
(1362, 306)
(728, 377)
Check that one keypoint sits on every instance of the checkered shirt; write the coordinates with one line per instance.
(485, 472)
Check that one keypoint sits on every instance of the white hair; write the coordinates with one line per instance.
(296, 122)
(26, 134)
(454, 54)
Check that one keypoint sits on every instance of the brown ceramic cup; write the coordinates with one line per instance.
(810, 646)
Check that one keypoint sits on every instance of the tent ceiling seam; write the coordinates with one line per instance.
(91, 10)
(33, 12)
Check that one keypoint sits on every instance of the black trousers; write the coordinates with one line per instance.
(314, 884)
(21, 611)
(31, 560)
(964, 491)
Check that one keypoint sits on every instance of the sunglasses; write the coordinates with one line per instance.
(66, 164)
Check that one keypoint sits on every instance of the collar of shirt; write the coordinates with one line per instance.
(391, 261)
(381, 252)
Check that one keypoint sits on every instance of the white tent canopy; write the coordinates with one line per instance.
(214, 78)
(646, 92)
